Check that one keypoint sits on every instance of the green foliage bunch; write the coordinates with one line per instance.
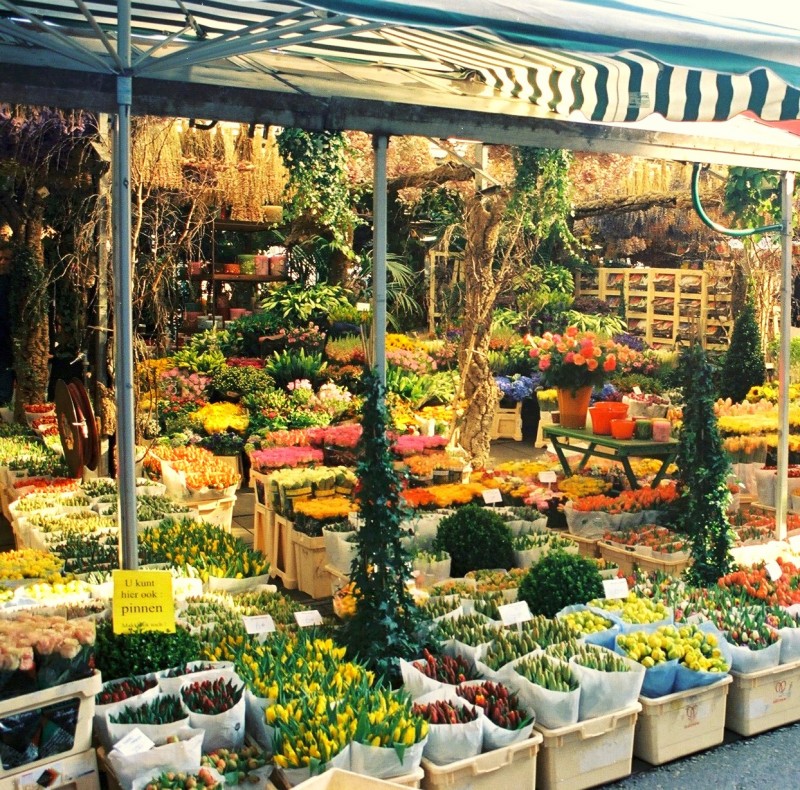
(558, 580)
(475, 538)
(296, 304)
(245, 332)
(386, 621)
(703, 468)
(743, 367)
(137, 653)
(289, 365)
(243, 380)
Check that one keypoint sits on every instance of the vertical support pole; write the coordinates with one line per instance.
(123, 304)
(380, 143)
(782, 487)
(103, 266)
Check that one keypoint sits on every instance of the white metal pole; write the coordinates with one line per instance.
(782, 482)
(380, 143)
(123, 308)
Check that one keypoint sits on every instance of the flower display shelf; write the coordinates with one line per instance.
(628, 559)
(283, 563)
(682, 723)
(507, 423)
(763, 700)
(310, 558)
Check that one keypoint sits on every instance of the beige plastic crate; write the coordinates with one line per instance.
(762, 700)
(337, 779)
(512, 766)
(76, 772)
(218, 512)
(682, 723)
(589, 753)
(78, 691)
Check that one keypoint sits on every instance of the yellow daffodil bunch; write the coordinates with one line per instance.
(28, 564)
(579, 486)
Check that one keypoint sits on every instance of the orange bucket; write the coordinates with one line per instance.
(622, 428)
(602, 414)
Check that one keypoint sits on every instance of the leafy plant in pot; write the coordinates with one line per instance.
(475, 538)
(559, 580)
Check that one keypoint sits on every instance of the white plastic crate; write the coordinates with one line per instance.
(759, 701)
(218, 512)
(589, 753)
(337, 779)
(682, 723)
(512, 766)
(80, 692)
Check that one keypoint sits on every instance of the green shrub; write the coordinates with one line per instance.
(559, 580)
(475, 538)
(743, 367)
(289, 365)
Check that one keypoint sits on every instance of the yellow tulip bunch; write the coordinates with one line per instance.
(579, 486)
(28, 564)
(220, 417)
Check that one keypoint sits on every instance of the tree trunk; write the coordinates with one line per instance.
(32, 349)
(483, 281)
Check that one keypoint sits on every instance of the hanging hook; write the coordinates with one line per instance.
(737, 232)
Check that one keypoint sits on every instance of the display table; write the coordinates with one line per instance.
(621, 450)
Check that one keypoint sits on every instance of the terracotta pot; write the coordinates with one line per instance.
(573, 406)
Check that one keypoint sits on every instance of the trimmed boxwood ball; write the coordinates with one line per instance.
(559, 580)
(475, 538)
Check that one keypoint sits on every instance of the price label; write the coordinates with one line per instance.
(637, 390)
(259, 624)
(615, 588)
(308, 618)
(135, 742)
(774, 570)
(363, 307)
(492, 496)
(513, 613)
(548, 476)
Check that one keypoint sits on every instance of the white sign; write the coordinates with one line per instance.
(135, 742)
(513, 613)
(615, 588)
(547, 477)
(492, 496)
(259, 624)
(308, 618)
(637, 390)
(774, 570)
(363, 307)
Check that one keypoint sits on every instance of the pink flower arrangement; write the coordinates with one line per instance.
(347, 436)
(408, 444)
(281, 457)
(415, 360)
(245, 362)
(576, 359)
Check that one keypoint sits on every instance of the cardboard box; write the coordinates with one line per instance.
(592, 752)
(512, 766)
(759, 701)
(678, 724)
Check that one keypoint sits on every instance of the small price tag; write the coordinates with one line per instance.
(135, 742)
(774, 570)
(615, 588)
(548, 476)
(637, 390)
(363, 307)
(259, 624)
(492, 496)
(513, 613)
(308, 618)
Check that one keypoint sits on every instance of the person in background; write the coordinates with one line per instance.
(6, 356)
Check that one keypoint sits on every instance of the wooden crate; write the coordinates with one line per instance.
(629, 559)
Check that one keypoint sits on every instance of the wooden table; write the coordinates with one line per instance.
(621, 450)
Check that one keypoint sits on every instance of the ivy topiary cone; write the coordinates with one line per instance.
(558, 580)
(475, 538)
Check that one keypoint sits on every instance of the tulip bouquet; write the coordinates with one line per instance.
(28, 564)
(121, 690)
(204, 779)
(445, 669)
(237, 766)
(469, 629)
(500, 705)
(163, 709)
(211, 697)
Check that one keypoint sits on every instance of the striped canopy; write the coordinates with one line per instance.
(609, 60)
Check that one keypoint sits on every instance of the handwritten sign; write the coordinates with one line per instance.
(143, 601)
(259, 624)
(513, 613)
(492, 496)
(548, 476)
(615, 588)
(308, 618)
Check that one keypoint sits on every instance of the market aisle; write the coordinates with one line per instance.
(770, 759)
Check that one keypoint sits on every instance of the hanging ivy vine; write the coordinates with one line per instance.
(318, 186)
(28, 302)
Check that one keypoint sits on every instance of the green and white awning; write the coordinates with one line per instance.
(609, 60)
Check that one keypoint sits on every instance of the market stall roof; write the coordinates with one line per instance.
(514, 72)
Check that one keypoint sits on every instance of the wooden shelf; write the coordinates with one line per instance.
(239, 278)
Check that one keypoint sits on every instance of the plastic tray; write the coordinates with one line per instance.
(762, 700)
(682, 723)
(589, 753)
